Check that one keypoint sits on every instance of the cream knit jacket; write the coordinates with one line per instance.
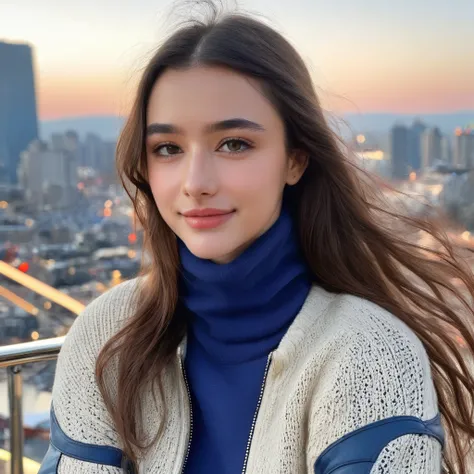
(344, 363)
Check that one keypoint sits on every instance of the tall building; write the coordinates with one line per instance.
(431, 148)
(415, 133)
(66, 141)
(107, 162)
(91, 151)
(464, 148)
(98, 154)
(446, 150)
(18, 116)
(399, 151)
(49, 176)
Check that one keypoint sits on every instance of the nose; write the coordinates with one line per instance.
(200, 177)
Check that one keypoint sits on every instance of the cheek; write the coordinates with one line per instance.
(163, 186)
(263, 176)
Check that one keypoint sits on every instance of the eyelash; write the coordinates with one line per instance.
(247, 143)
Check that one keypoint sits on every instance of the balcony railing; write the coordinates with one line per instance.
(13, 357)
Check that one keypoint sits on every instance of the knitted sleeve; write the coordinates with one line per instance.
(410, 454)
(83, 437)
(381, 381)
(398, 383)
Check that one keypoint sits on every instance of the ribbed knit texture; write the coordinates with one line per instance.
(344, 363)
(239, 314)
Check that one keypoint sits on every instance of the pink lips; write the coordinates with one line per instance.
(207, 218)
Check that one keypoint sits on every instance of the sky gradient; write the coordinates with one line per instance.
(408, 56)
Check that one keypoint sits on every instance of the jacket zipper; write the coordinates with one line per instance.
(183, 371)
(254, 421)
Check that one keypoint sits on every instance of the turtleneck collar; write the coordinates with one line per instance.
(241, 310)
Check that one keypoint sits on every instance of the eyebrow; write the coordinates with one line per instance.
(229, 124)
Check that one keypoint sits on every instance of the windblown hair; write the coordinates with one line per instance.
(344, 233)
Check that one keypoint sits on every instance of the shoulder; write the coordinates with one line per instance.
(79, 411)
(341, 317)
(369, 370)
(377, 363)
(365, 322)
(103, 317)
(355, 323)
(379, 382)
(92, 328)
(382, 362)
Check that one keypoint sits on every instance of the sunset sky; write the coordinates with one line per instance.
(409, 56)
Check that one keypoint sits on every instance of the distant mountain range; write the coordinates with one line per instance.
(108, 127)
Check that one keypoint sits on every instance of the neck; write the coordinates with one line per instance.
(241, 310)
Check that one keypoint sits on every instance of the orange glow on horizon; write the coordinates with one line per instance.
(52, 105)
(70, 96)
(365, 91)
(380, 98)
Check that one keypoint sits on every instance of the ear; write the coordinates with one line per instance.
(297, 163)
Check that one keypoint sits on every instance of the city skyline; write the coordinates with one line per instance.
(364, 57)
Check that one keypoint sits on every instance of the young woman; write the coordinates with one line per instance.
(280, 326)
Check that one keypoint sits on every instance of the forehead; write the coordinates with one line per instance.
(207, 95)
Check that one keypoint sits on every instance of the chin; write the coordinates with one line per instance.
(212, 249)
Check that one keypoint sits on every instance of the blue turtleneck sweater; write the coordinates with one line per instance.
(239, 312)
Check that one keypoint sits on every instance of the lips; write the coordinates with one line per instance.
(207, 218)
(206, 212)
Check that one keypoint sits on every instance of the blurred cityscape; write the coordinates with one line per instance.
(63, 220)
(66, 221)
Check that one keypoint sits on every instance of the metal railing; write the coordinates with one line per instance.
(13, 357)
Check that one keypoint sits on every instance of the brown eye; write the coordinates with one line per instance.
(167, 150)
(234, 146)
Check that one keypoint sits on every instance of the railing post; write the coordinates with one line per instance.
(15, 394)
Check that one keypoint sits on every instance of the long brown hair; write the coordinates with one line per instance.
(344, 234)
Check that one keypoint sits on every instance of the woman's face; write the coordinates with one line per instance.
(217, 161)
